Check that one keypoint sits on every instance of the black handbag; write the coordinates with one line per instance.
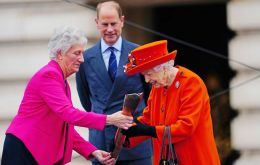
(170, 158)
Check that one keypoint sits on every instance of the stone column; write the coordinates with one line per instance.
(244, 19)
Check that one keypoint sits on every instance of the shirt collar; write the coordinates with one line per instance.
(117, 45)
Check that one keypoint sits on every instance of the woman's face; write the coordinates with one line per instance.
(72, 59)
(156, 78)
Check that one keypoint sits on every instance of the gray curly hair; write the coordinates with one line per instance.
(63, 38)
(166, 65)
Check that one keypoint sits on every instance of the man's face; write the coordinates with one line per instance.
(109, 24)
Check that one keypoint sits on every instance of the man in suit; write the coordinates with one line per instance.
(102, 83)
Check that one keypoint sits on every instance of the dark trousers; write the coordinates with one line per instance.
(15, 152)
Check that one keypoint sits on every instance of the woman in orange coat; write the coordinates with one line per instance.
(178, 99)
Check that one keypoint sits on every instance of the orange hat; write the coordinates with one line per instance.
(148, 56)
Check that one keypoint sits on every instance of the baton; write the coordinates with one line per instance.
(131, 102)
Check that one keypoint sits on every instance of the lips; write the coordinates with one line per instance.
(77, 65)
(152, 82)
(110, 35)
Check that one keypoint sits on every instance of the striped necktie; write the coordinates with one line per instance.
(112, 66)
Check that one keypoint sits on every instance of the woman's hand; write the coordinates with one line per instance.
(120, 120)
(140, 129)
(104, 157)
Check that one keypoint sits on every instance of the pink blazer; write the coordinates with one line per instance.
(46, 118)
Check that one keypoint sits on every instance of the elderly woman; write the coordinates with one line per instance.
(178, 99)
(43, 130)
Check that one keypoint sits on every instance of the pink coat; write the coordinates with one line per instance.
(46, 118)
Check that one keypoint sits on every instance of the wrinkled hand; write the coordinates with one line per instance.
(120, 120)
(104, 157)
(140, 129)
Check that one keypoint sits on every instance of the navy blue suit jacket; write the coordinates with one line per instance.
(98, 94)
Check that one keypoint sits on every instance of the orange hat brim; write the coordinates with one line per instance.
(150, 64)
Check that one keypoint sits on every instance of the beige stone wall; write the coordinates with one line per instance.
(26, 26)
(244, 19)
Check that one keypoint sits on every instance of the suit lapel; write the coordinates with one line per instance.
(121, 78)
(96, 61)
(123, 60)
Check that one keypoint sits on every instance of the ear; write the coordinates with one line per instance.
(59, 55)
(164, 70)
(122, 18)
(96, 20)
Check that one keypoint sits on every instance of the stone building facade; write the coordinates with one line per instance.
(26, 26)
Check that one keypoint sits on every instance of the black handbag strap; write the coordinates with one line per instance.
(170, 143)
(173, 154)
(163, 139)
(170, 147)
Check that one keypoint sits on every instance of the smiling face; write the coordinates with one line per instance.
(109, 24)
(70, 61)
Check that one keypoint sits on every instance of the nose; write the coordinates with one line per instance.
(110, 27)
(81, 59)
(146, 78)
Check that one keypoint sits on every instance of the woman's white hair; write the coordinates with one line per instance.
(166, 65)
(65, 37)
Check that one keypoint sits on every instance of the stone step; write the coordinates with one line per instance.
(245, 132)
(248, 158)
(243, 15)
(12, 92)
(24, 1)
(22, 59)
(36, 21)
(245, 91)
(241, 48)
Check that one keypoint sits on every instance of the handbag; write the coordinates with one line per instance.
(170, 158)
